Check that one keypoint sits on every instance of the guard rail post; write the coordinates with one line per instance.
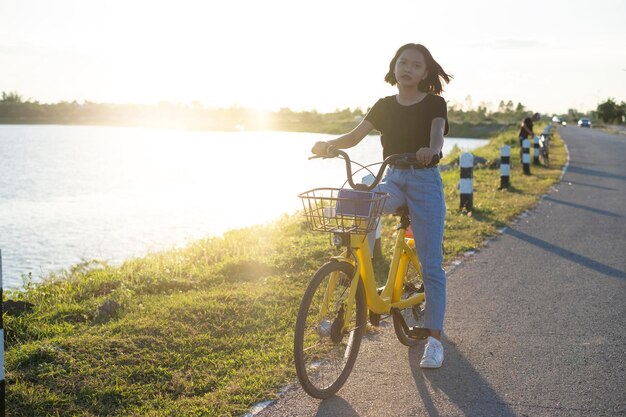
(536, 150)
(526, 156)
(466, 183)
(505, 166)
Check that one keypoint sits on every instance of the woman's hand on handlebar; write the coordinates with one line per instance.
(427, 156)
(323, 149)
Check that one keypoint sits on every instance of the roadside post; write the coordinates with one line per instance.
(505, 166)
(536, 150)
(466, 183)
(526, 156)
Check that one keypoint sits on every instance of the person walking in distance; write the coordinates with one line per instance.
(414, 120)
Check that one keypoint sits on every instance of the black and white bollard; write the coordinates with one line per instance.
(466, 184)
(2, 387)
(536, 150)
(526, 156)
(378, 250)
(505, 166)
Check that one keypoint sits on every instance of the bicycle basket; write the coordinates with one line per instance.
(342, 210)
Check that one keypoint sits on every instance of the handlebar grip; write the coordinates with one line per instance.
(331, 152)
(434, 161)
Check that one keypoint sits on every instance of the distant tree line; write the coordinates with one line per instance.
(608, 112)
(506, 113)
(465, 121)
(468, 121)
(15, 109)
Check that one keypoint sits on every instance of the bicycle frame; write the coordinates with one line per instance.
(390, 297)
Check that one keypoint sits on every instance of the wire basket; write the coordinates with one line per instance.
(342, 210)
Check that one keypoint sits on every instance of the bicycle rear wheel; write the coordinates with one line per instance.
(324, 354)
(413, 316)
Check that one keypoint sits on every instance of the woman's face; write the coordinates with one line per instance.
(410, 68)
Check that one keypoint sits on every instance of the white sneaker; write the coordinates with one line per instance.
(433, 354)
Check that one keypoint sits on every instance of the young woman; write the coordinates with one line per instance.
(414, 120)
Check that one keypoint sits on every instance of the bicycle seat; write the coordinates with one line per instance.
(402, 211)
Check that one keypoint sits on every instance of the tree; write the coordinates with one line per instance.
(610, 111)
(11, 97)
(574, 114)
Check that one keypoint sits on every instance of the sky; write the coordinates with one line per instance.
(323, 55)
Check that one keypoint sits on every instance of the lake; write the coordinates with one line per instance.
(74, 193)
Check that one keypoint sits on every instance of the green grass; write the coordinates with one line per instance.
(206, 330)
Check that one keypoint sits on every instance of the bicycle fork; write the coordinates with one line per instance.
(340, 324)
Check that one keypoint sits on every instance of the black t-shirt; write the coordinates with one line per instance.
(406, 128)
(529, 124)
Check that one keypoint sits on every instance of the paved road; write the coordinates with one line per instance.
(536, 321)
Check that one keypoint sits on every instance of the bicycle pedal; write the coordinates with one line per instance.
(418, 333)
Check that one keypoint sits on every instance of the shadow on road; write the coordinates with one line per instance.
(591, 185)
(336, 406)
(459, 382)
(580, 206)
(593, 172)
(574, 257)
(456, 387)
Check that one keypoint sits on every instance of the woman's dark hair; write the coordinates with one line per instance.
(436, 75)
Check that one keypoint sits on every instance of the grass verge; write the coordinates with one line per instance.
(207, 330)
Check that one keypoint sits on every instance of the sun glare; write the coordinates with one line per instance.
(202, 53)
(279, 53)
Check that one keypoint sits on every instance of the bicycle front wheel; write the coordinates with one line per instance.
(327, 340)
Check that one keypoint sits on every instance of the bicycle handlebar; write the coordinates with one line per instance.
(407, 159)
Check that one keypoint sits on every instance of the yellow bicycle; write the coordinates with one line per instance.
(332, 316)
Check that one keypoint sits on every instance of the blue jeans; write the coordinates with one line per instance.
(422, 191)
